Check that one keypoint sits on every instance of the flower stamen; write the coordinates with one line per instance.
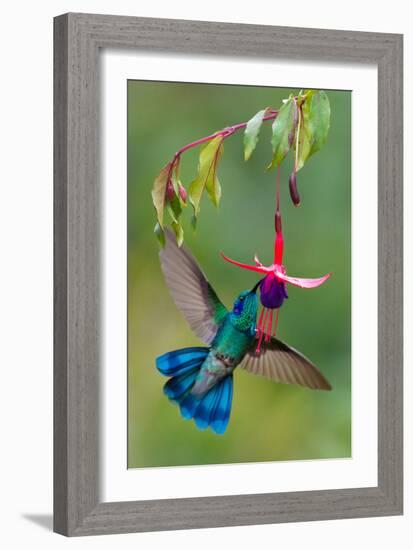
(260, 324)
(269, 326)
(276, 323)
(261, 328)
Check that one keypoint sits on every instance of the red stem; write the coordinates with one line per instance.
(224, 133)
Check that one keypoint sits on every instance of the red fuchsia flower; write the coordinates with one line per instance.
(273, 286)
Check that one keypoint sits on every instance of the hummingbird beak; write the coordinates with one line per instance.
(254, 289)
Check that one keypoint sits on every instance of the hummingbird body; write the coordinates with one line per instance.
(201, 378)
(232, 341)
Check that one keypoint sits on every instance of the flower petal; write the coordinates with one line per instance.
(302, 283)
(246, 266)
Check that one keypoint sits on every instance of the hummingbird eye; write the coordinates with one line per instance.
(241, 298)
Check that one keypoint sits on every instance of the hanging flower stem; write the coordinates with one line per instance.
(279, 240)
(266, 319)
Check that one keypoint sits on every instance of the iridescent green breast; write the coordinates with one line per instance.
(231, 341)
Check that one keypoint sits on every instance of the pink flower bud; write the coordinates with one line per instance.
(170, 192)
(182, 193)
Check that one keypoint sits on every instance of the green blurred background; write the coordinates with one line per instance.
(269, 421)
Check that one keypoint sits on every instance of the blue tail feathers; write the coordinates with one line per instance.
(181, 360)
(212, 409)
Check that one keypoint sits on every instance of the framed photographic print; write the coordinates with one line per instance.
(228, 323)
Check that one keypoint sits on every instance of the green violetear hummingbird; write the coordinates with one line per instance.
(201, 378)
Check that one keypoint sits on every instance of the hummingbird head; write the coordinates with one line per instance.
(244, 312)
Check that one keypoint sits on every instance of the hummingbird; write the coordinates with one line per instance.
(201, 378)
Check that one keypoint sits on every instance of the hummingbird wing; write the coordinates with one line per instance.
(190, 290)
(278, 361)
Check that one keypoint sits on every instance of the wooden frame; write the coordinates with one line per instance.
(78, 39)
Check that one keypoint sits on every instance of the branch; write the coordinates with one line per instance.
(225, 132)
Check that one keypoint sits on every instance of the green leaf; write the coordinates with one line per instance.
(214, 189)
(283, 132)
(207, 174)
(175, 179)
(174, 204)
(158, 192)
(174, 208)
(316, 110)
(302, 143)
(176, 182)
(179, 232)
(251, 133)
(212, 185)
(179, 189)
(160, 234)
(314, 122)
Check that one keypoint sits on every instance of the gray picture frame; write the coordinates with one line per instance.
(78, 38)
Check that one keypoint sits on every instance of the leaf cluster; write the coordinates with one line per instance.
(300, 125)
